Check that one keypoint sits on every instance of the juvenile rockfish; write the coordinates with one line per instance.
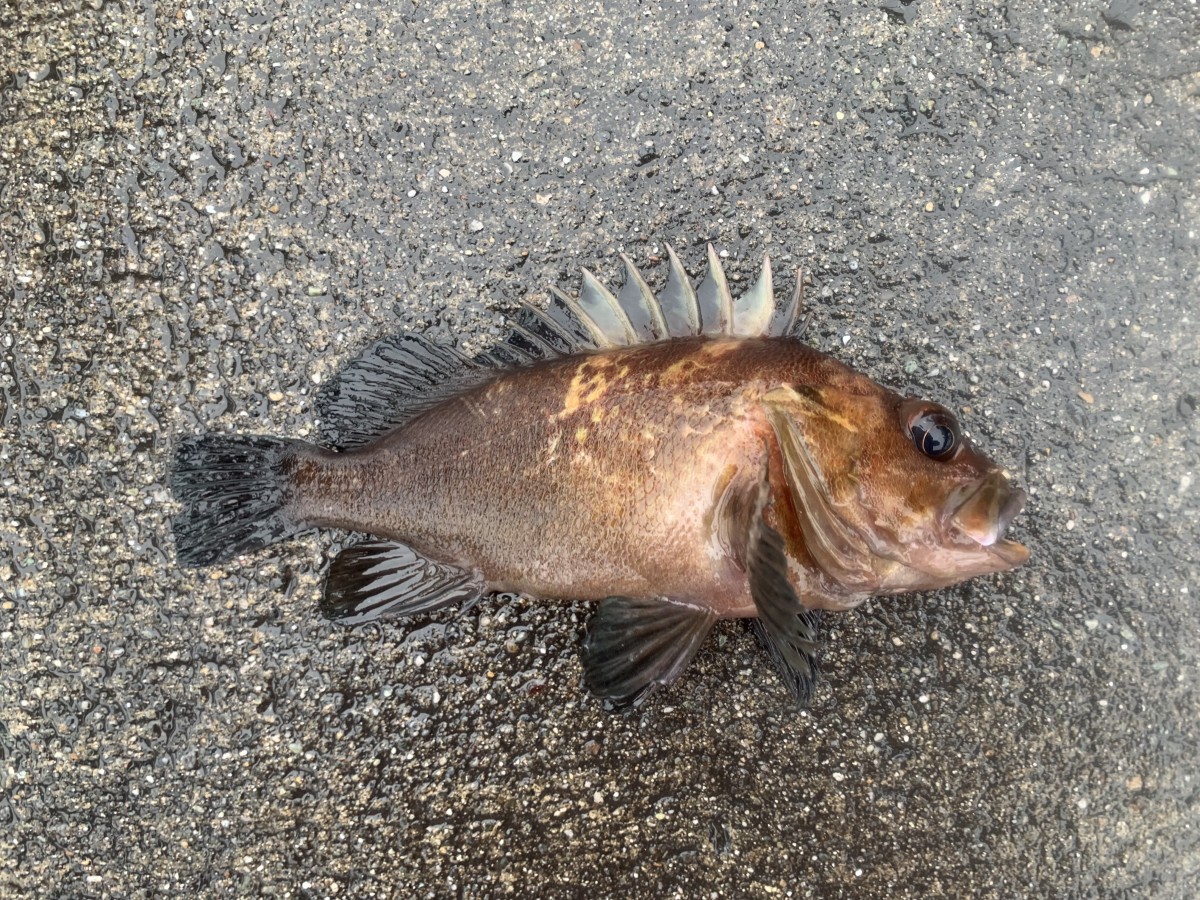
(680, 459)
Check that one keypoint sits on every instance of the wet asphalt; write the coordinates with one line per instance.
(207, 207)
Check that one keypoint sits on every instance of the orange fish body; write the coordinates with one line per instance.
(620, 449)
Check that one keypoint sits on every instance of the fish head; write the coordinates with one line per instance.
(890, 494)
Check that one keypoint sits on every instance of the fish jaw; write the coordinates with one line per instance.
(965, 541)
(985, 514)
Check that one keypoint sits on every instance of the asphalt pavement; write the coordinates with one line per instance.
(207, 207)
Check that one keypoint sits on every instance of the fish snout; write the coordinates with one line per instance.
(985, 514)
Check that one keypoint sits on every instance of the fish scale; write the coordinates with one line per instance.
(678, 458)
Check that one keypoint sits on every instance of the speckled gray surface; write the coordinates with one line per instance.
(206, 207)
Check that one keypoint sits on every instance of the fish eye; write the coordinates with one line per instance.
(935, 432)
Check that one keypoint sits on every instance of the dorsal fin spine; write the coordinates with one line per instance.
(786, 321)
(681, 311)
(716, 302)
(636, 292)
(754, 310)
(600, 304)
(550, 332)
(566, 312)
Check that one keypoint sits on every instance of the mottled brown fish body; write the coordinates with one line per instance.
(579, 477)
(679, 459)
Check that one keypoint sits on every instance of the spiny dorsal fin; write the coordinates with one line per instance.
(679, 305)
(716, 302)
(756, 307)
(641, 308)
(401, 376)
(788, 320)
(600, 320)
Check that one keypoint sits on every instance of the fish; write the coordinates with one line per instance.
(679, 458)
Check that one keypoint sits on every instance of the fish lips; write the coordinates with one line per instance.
(985, 513)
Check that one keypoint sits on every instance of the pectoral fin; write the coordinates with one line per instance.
(785, 627)
(384, 578)
(635, 646)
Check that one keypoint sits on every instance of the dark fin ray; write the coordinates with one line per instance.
(547, 330)
(800, 684)
(635, 646)
(382, 578)
(567, 314)
(529, 344)
(392, 381)
(784, 624)
(680, 309)
(234, 491)
(503, 356)
(788, 629)
(714, 299)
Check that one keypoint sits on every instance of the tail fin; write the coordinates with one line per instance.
(234, 492)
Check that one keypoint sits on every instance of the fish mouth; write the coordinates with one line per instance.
(985, 514)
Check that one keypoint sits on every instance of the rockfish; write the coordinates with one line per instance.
(679, 458)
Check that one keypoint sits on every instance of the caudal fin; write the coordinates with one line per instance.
(234, 492)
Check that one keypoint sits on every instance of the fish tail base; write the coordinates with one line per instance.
(234, 492)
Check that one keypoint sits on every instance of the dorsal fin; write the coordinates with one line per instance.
(641, 308)
(399, 377)
(604, 314)
(389, 383)
(679, 305)
(788, 320)
(755, 308)
(600, 320)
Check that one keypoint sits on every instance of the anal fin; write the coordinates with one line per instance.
(634, 646)
(383, 578)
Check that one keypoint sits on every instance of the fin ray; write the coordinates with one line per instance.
(606, 312)
(389, 383)
(788, 629)
(714, 298)
(640, 306)
(234, 493)
(681, 310)
(787, 320)
(784, 625)
(634, 646)
(546, 329)
(384, 578)
(753, 311)
(567, 313)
